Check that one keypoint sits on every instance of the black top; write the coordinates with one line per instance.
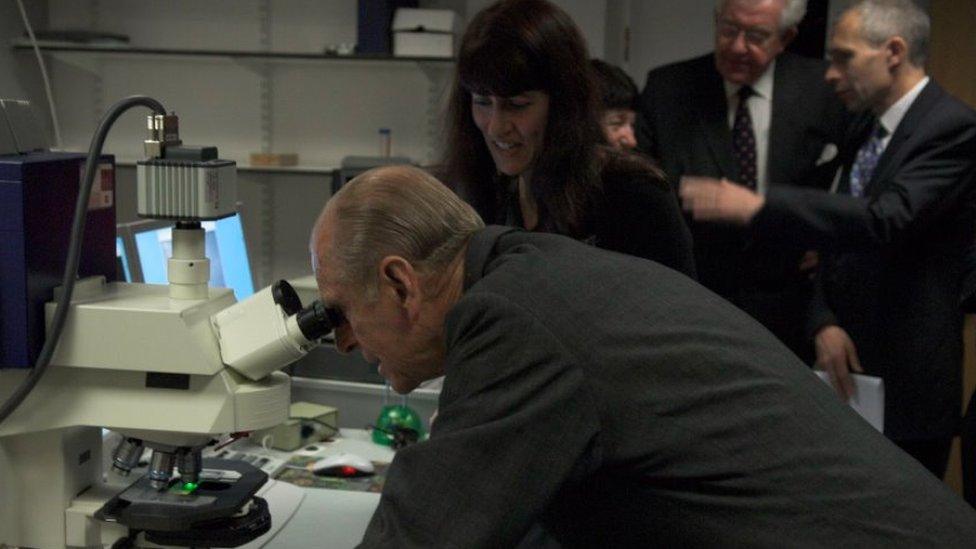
(637, 214)
(643, 411)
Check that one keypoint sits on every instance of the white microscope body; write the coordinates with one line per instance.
(170, 366)
(136, 361)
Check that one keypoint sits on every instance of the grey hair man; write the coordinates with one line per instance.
(756, 114)
(585, 390)
(392, 238)
(895, 234)
(878, 52)
(791, 15)
(750, 34)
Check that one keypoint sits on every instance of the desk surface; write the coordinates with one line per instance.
(334, 518)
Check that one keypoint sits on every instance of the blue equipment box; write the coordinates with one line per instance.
(38, 192)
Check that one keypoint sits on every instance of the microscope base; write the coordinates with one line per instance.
(221, 512)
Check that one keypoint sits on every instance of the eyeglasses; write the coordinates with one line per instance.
(753, 36)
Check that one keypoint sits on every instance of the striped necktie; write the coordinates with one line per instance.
(866, 160)
(744, 140)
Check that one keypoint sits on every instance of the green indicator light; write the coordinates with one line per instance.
(189, 487)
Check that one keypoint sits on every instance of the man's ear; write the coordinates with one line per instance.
(402, 280)
(897, 50)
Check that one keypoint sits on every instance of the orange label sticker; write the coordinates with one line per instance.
(103, 188)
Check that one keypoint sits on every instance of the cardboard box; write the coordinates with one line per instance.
(424, 33)
(274, 159)
(308, 423)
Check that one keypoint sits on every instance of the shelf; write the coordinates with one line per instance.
(310, 170)
(115, 49)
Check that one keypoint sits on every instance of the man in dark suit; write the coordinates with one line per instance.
(785, 132)
(613, 400)
(897, 232)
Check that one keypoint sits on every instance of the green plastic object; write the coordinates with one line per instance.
(393, 416)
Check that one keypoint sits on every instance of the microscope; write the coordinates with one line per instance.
(170, 367)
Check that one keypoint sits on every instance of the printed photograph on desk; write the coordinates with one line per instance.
(297, 471)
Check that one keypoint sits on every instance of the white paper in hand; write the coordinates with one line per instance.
(868, 399)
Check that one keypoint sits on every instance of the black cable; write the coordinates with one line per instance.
(74, 249)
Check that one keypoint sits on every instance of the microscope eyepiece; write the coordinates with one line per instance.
(270, 330)
(286, 297)
(317, 320)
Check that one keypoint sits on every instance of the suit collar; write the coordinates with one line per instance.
(895, 113)
(763, 86)
(481, 249)
(914, 116)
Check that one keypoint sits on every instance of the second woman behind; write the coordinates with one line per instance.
(526, 148)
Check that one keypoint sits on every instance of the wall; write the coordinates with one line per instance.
(589, 15)
(666, 31)
(19, 76)
(953, 50)
(321, 110)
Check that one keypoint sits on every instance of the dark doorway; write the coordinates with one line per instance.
(813, 30)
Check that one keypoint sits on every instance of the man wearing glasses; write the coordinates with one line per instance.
(751, 113)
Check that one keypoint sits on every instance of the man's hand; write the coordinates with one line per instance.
(710, 199)
(838, 357)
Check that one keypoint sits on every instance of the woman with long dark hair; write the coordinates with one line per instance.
(525, 146)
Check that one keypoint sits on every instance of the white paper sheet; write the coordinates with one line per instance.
(868, 399)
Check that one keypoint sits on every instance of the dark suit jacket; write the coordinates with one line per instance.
(892, 273)
(967, 299)
(684, 124)
(643, 411)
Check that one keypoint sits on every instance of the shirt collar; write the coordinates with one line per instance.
(893, 116)
(762, 87)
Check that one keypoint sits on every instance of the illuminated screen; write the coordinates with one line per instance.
(229, 267)
(122, 260)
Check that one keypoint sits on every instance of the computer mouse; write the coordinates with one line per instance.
(343, 466)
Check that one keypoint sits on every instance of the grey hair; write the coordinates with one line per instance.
(397, 210)
(793, 12)
(885, 19)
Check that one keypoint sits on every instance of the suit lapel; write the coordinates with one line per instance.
(783, 125)
(929, 96)
(713, 117)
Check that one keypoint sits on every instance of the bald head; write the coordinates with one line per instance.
(390, 211)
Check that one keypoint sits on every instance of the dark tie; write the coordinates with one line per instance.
(866, 160)
(744, 140)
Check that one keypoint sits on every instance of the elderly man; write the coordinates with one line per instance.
(614, 401)
(754, 114)
(896, 232)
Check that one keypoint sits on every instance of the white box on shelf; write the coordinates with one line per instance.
(424, 33)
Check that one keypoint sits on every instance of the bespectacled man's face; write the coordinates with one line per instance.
(748, 38)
